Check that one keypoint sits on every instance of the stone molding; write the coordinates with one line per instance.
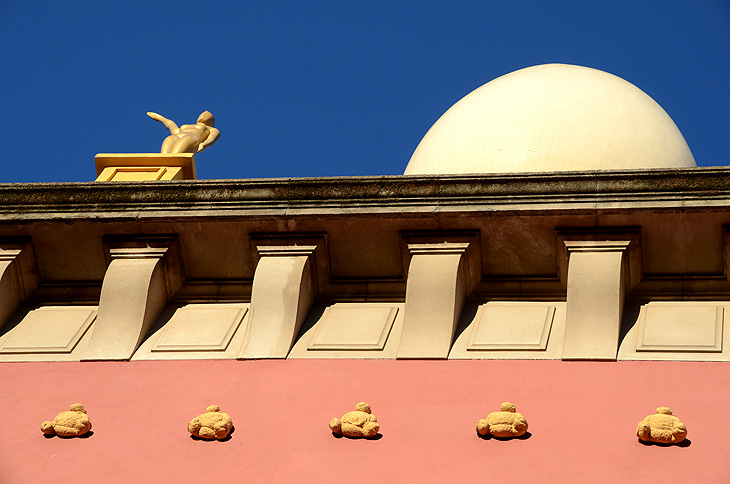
(47, 332)
(352, 330)
(516, 329)
(166, 248)
(602, 239)
(196, 331)
(382, 231)
(655, 189)
(336, 333)
(676, 330)
(289, 244)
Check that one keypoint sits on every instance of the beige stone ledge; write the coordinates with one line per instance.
(677, 331)
(196, 331)
(526, 330)
(47, 333)
(660, 189)
(351, 330)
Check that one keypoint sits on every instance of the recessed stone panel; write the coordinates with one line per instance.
(511, 327)
(680, 327)
(51, 329)
(200, 327)
(353, 327)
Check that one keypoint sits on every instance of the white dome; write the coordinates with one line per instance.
(552, 117)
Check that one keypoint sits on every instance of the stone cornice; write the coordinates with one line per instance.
(662, 189)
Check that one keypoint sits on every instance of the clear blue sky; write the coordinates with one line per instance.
(313, 88)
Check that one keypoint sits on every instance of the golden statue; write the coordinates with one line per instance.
(188, 138)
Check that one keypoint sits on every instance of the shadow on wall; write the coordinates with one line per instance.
(684, 443)
(233, 429)
(85, 436)
(377, 436)
(525, 436)
(630, 317)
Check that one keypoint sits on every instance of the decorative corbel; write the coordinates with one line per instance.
(18, 274)
(599, 268)
(443, 269)
(143, 273)
(291, 270)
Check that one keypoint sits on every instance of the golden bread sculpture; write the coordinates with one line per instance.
(73, 423)
(505, 423)
(213, 424)
(662, 427)
(358, 423)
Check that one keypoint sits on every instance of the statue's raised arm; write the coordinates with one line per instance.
(188, 138)
(169, 124)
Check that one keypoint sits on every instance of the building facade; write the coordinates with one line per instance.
(587, 297)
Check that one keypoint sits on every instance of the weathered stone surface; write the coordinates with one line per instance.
(364, 257)
(587, 190)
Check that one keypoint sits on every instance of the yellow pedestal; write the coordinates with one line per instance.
(145, 166)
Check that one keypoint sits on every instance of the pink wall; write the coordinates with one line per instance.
(582, 418)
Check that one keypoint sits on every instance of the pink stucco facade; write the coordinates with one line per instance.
(582, 419)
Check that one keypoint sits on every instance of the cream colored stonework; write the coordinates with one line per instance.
(442, 271)
(599, 269)
(220, 323)
(687, 327)
(18, 274)
(527, 329)
(351, 330)
(196, 331)
(281, 297)
(142, 276)
(49, 329)
(348, 327)
(678, 330)
(48, 333)
(607, 249)
(511, 330)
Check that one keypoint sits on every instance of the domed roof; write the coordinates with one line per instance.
(552, 117)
